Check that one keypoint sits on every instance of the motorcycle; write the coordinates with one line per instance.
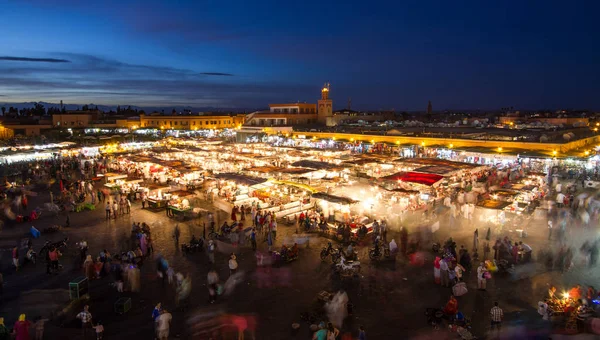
(223, 232)
(335, 253)
(52, 229)
(347, 268)
(376, 253)
(31, 256)
(194, 246)
(286, 255)
(60, 245)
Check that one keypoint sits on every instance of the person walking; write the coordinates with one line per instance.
(15, 257)
(496, 315)
(86, 320)
(445, 274)
(176, 233)
(39, 328)
(115, 208)
(481, 280)
(233, 265)
(21, 328)
(4, 332)
(212, 280)
(128, 205)
(107, 210)
(253, 238)
(549, 229)
(163, 324)
(210, 250)
(361, 333)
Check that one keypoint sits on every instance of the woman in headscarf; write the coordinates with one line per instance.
(88, 267)
(21, 328)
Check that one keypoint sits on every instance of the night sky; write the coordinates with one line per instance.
(243, 54)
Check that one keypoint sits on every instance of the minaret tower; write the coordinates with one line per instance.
(324, 105)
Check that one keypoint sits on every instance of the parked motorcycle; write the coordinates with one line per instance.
(193, 246)
(51, 229)
(224, 231)
(335, 253)
(376, 253)
(285, 255)
(347, 269)
(31, 256)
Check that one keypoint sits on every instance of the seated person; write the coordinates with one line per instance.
(575, 292)
(350, 254)
(284, 250)
(294, 250)
(451, 306)
(225, 227)
(193, 240)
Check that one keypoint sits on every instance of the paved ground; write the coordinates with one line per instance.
(389, 298)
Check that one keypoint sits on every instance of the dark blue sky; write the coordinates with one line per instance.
(382, 54)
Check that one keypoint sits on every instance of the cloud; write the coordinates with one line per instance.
(90, 78)
(217, 74)
(37, 60)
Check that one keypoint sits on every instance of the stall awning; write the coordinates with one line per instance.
(404, 191)
(240, 179)
(297, 185)
(414, 177)
(493, 204)
(504, 192)
(442, 170)
(333, 198)
(264, 169)
(438, 162)
(295, 171)
(316, 165)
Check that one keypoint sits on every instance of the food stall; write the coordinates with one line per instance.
(155, 196)
(179, 204)
(111, 177)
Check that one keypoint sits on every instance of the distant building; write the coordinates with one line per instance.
(325, 106)
(293, 114)
(191, 122)
(429, 108)
(75, 119)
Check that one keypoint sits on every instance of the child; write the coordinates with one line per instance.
(99, 330)
(39, 327)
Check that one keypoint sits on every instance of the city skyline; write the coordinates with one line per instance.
(241, 55)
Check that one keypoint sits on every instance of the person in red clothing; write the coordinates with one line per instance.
(21, 328)
(575, 293)
(451, 306)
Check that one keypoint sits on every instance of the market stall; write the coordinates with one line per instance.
(155, 196)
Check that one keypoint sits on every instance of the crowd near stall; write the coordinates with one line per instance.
(354, 193)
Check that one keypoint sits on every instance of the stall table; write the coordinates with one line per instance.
(180, 212)
(156, 203)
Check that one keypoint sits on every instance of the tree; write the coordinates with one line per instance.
(38, 110)
(85, 108)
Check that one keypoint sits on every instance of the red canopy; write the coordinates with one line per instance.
(414, 177)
